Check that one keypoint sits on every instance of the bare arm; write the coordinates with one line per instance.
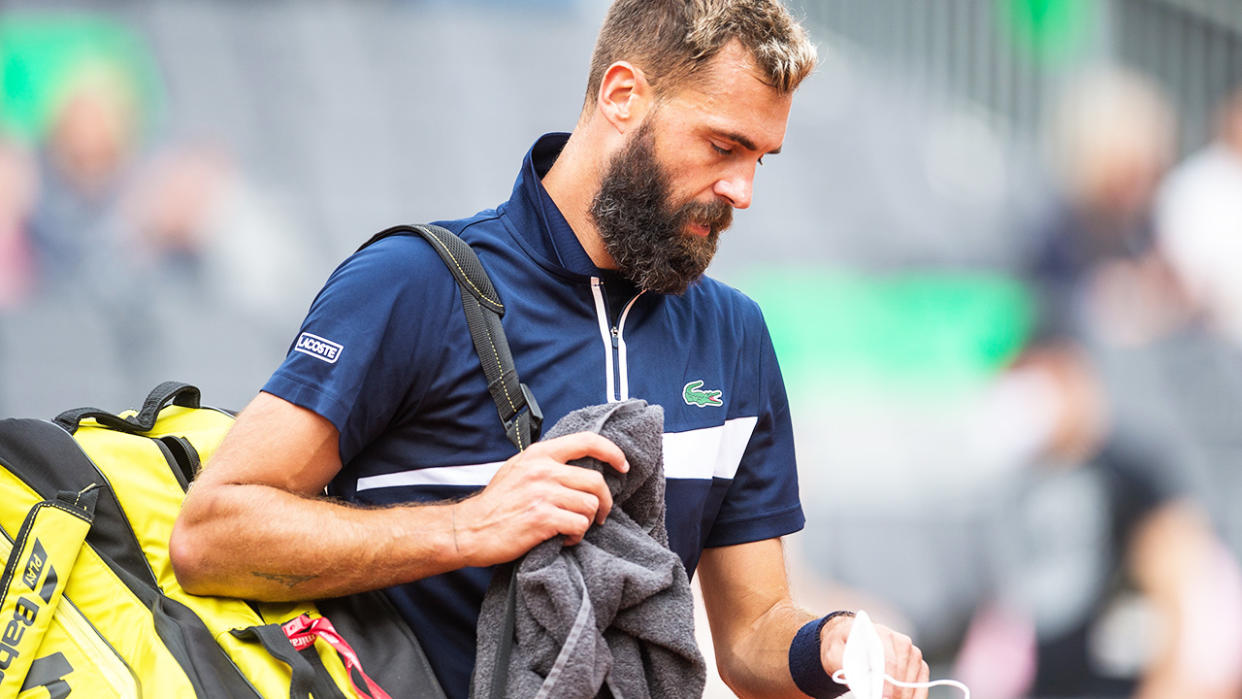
(753, 620)
(255, 524)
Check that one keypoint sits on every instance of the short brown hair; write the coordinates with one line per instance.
(671, 40)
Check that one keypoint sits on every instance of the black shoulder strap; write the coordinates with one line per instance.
(519, 412)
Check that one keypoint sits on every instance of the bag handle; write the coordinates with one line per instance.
(303, 681)
(174, 392)
(36, 574)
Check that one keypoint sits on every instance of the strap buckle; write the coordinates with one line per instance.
(524, 430)
(536, 414)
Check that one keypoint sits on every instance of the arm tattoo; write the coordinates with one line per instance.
(289, 580)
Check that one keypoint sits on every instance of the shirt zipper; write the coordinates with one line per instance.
(613, 335)
(622, 364)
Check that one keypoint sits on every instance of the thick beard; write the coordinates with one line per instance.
(641, 231)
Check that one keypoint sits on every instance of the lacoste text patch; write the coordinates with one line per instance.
(318, 347)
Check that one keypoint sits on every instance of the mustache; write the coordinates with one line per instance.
(716, 215)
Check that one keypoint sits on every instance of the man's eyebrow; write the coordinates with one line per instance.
(746, 142)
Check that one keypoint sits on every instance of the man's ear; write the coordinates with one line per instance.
(625, 96)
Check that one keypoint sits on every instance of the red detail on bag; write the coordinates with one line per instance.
(302, 633)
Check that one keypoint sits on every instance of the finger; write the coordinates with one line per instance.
(832, 643)
(914, 670)
(590, 482)
(891, 660)
(924, 677)
(583, 444)
(571, 524)
(538, 522)
(580, 502)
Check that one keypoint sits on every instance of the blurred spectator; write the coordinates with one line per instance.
(199, 223)
(139, 264)
(1200, 223)
(86, 163)
(1106, 289)
(226, 270)
(1096, 264)
(84, 332)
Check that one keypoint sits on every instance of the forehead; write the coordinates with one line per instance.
(730, 96)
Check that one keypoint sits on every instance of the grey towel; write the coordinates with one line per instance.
(613, 614)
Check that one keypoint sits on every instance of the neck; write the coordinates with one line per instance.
(572, 183)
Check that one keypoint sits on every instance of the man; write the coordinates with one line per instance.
(598, 256)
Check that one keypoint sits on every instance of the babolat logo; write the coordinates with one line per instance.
(27, 607)
(693, 394)
(318, 347)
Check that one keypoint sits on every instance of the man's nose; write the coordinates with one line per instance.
(736, 188)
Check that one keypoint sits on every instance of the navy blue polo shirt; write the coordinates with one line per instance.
(385, 355)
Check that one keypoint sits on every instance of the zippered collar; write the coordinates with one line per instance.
(539, 226)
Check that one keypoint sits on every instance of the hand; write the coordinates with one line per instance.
(535, 496)
(903, 661)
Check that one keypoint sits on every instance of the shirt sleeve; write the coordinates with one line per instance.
(353, 358)
(762, 501)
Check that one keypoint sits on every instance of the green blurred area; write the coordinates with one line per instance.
(907, 332)
(1048, 31)
(41, 54)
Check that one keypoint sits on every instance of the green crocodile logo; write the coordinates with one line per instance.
(693, 396)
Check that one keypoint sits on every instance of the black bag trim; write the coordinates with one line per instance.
(192, 645)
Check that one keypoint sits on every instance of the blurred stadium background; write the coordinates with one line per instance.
(177, 178)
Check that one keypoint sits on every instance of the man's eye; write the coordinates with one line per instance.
(721, 151)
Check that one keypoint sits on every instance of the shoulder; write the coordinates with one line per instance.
(393, 253)
(406, 264)
(397, 252)
(475, 229)
(399, 271)
(718, 302)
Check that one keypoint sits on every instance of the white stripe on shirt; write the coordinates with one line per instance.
(711, 452)
(708, 452)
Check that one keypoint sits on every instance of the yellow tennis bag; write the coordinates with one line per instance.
(89, 604)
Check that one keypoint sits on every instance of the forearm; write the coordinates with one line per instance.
(264, 543)
(254, 525)
(756, 663)
(752, 616)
